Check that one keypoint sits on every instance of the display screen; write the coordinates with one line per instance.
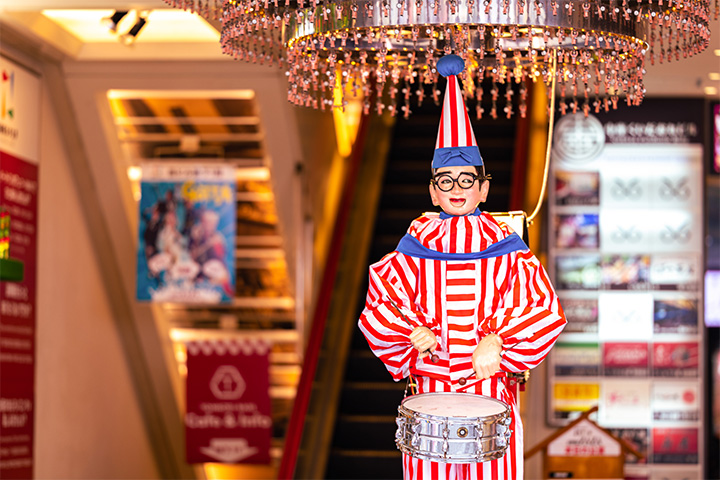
(712, 298)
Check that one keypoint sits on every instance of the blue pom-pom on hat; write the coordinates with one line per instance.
(450, 65)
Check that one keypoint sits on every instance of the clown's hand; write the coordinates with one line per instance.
(486, 357)
(423, 340)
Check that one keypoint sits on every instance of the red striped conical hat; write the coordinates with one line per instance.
(456, 144)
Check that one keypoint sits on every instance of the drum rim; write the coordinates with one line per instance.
(484, 457)
(402, 406)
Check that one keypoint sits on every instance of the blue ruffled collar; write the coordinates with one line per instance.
(445, 216)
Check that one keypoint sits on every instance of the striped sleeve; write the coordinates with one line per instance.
(392, 284)
(529, 317)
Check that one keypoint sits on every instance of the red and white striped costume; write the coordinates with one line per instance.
(461, 302)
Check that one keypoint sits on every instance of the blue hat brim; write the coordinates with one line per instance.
(457, 157)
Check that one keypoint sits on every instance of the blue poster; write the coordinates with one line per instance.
(186, 247)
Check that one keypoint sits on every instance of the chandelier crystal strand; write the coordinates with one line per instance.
(600, 46)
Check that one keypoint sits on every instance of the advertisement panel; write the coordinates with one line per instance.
(228, 417)
(19, 141)
(676, 401)
(625, 254)
(625, 359)
(186, 247)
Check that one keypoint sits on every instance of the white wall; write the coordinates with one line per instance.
(88, 422)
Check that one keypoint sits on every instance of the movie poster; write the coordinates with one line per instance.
(676, 315)
(577, 188)
(638, 438)
(675, 445)
(581, 314)
(578, 272)
(186, 248)
(577, 230)
(577, 359)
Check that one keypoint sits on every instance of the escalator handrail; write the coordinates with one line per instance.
(294, 433)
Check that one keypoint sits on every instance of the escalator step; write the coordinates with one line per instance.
(364, 366)
(378, 465)
(365, 433)
(371, 398)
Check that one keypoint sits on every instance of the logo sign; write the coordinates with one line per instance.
(578, 138)
(228, 406)
(584, 439)
(19, 111)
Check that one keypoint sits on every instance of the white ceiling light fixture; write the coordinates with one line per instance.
(130, 36)
(113, 20)
(165, 25)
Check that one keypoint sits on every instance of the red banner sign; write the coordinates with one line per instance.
(18, 196)
(228, 416)
(19, 155)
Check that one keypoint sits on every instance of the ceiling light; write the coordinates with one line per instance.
(391, 46)
(714, 75)
(134, 173)
(130, 37)
(113, 20)
(711, 91)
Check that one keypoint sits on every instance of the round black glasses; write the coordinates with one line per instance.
(465, 180)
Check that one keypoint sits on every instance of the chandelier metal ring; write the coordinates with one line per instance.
(326, 47)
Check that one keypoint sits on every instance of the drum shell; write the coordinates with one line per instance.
(453, 439)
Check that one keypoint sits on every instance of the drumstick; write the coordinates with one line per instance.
(433, 357)
(463, 380)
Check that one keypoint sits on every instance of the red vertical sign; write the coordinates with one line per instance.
(228, 404)
(18, 196)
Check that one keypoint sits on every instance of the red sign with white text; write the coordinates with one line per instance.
(675, 445)
(629, 359)
(228, 417)
(676, 359)
(18, 197)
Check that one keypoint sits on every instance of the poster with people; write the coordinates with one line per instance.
(187, 224)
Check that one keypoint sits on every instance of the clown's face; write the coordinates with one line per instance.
(458, 200)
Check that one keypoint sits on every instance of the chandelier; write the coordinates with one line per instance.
(386, 50)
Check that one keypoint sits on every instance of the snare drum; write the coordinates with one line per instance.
(453, 427)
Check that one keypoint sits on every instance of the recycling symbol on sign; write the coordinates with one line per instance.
(227, 383)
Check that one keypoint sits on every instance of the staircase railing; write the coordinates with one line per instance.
(312, 418)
